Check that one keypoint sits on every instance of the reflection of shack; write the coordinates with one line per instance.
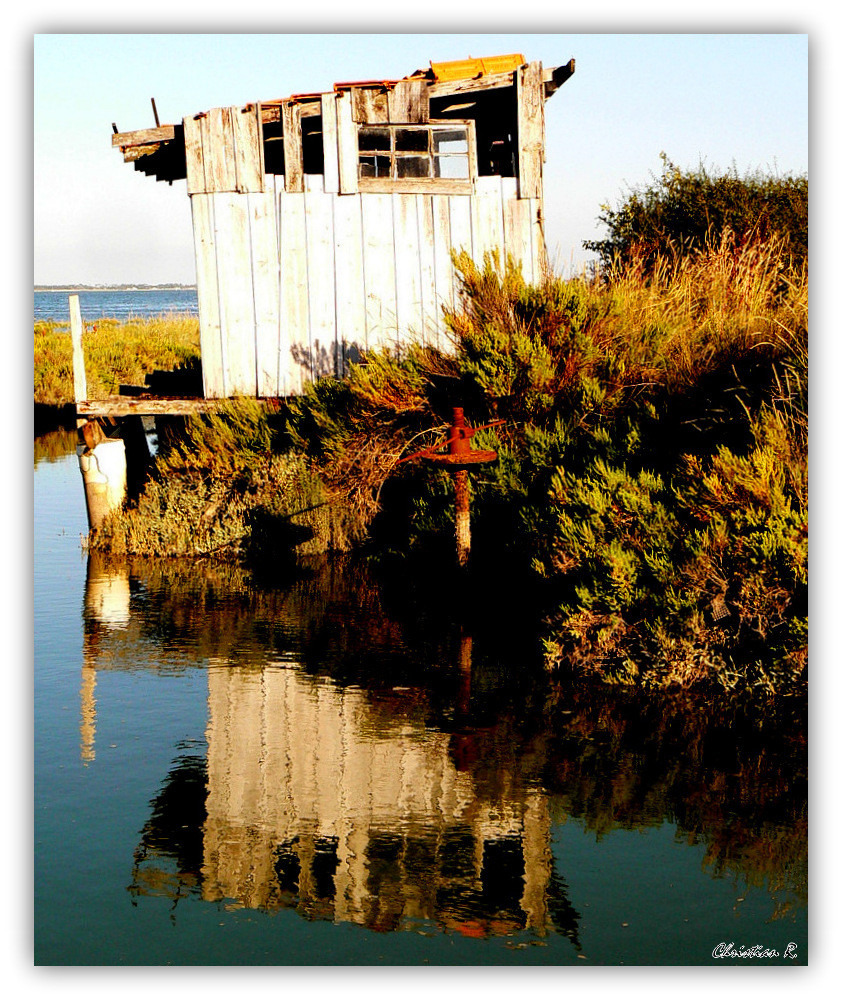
(335, 800)
(324, 223)
(320, 800)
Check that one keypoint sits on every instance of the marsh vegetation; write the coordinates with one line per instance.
(651, 488)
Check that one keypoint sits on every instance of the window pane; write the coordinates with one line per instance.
(411, 140)
(451, 140)
(454, 167)
(374, 139)
(412, 166)
(374, 166)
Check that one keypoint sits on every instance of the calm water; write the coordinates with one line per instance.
(335, 772)
(118, 304)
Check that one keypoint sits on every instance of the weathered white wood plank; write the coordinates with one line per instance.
(408, 101)
(539, 246)
(217, 142)
(293, 155)
(350, 285)
(277, 184)
(460, 227)
(346, 134)
(247, 135)
(487, 219)
(236, 292)
(370, 105)
(443, 260)
(194, 155)
(530, 129)
(213, 369)
(330, 144)
(321, 269)
(295, 364)
(379, 270)
(407, 269)
(517, 227)
(430, 314)
(264, 262)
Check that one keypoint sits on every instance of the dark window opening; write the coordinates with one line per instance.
(494, 113)
(273, 148)
(312, 148)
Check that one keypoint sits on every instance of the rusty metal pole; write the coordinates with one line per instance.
(463, 517)
(460, 445)
(458, 459)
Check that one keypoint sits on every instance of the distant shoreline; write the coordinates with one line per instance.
(115, 288)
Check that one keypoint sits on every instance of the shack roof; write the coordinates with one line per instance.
(159, 151)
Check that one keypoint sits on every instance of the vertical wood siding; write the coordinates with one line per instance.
(294, 284)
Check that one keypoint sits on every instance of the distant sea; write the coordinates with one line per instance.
(117, 303)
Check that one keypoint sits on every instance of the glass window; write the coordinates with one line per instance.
(375, 139)
(375, 166)
(412, 140)
(404, 152)
(450, 141)
(412, 166)
(455, 167)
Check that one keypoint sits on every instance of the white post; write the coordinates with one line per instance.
(80, 383)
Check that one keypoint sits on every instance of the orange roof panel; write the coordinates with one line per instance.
(469, 69)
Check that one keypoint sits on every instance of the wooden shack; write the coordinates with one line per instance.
(324, 223)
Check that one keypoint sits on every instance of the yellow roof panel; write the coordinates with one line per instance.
(468, 69)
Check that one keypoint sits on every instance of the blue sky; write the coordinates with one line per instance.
(726, 99)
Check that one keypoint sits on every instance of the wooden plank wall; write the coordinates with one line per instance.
(294, 284)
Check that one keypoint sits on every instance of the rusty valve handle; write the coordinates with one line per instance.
(458, 433)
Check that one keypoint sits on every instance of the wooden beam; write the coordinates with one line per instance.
(293, 153)
(370, 105)
(144, 136)
(330, 143)
(346, 135)
(150, 406)
(194, 155)
(416, 185)
(556, 76)
(491, 81)
(132, 153)
(409, 101)
(530, 129)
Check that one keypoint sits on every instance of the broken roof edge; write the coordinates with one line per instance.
(449, 83)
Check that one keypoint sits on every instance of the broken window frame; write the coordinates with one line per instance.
(394, 156)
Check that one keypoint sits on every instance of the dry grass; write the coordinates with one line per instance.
(115, 352)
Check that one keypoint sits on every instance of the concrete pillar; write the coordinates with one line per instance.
(104, 475)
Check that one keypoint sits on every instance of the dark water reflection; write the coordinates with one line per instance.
(378, 759)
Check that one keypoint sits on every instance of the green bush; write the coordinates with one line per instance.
(684, 211)
(652, 476)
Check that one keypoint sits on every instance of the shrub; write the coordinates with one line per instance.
(682, 212)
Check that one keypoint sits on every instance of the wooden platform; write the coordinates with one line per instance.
(143, 406)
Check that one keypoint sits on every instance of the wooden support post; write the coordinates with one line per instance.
(530, 130)
(138, 458)
(102, 460)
